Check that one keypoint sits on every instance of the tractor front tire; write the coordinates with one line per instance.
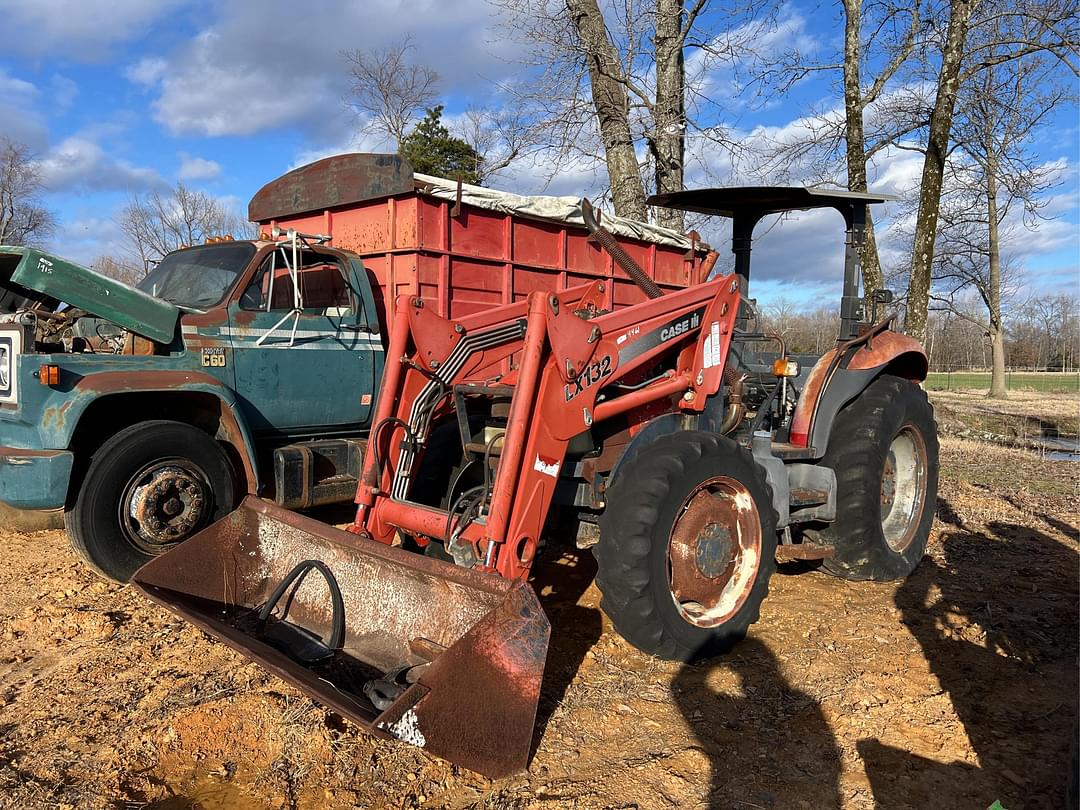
(147, 489)
(884, 450)
(687, 545)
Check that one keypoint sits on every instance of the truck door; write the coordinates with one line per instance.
(305, 357)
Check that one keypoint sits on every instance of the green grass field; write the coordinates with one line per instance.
(1049, 381)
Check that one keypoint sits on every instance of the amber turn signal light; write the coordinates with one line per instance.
(785, 368)
(49, 375)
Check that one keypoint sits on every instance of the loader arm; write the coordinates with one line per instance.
(562, 366)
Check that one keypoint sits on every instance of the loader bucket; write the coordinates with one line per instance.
(444, 658)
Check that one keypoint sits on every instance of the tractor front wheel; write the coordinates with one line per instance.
(687, 546)
(884, 450)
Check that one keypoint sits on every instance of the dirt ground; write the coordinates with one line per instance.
(951, 689)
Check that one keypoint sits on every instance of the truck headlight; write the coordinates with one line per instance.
(10, 345)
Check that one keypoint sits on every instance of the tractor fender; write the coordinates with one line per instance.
(233, 430)
(835, 381)
(709, 420)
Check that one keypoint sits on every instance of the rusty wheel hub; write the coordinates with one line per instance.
(164, 504)
(714, 552)
(903, 488)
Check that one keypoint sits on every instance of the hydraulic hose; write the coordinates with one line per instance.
(621, 257)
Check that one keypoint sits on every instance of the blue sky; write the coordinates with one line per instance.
(118, 97)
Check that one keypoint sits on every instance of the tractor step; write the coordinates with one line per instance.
(802, 498)
(804, 551)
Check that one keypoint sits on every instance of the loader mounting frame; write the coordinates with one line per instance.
(561, 362)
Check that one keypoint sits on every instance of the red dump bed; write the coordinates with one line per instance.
(463, 248)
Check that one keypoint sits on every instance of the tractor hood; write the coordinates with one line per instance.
(29, 277)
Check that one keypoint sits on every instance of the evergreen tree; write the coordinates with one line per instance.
(431, 149)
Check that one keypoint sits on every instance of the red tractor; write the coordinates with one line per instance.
(693, 452)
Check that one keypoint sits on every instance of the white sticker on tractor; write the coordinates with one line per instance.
(407, 729)
(547, 467)
(711, 351)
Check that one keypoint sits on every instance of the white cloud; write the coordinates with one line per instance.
(196, 168)
(82, 30)
(147, 71)
(19, 118)
(80, 164)
(247, 72)
(63, 92)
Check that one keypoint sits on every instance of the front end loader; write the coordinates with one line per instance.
(692, 451)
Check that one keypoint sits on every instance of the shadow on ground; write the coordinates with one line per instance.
(995, 618)
(560, 580)
(769, 747)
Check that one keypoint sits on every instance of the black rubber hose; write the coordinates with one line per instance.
(621, 257)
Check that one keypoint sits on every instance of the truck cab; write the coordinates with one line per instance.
(145, 413)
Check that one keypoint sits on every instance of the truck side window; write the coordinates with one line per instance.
(323, 289)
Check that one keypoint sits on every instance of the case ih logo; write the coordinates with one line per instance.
(680, 328)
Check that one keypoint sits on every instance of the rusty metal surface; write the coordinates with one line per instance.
(714, 552)
(804, 551)
(329, 183)
(474, 704)
(888, 346)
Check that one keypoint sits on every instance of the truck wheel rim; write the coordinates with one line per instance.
(164, 503)
(903, 488)
(714, 552)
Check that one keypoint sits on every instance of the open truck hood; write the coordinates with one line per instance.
(28, 276)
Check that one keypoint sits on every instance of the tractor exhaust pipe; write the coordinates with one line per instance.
(406, 646)
(614, 249)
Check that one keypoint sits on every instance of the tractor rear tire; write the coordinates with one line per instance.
(147, 489)
(884, 450)
(687, 545)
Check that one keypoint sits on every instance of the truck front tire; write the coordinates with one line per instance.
(148, 488)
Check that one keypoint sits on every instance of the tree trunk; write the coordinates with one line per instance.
(612, 106)
(855, 138)
(937, 147)
(668, 139)
(997, 327)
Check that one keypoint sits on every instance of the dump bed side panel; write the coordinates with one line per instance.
(462, 258)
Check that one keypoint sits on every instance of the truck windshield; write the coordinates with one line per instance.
(198, 277)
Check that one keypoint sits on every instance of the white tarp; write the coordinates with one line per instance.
(558, 209)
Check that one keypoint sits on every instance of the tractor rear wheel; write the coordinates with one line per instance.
(884, 449)
(687, 546)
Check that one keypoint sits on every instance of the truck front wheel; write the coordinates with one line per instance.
(148, 488)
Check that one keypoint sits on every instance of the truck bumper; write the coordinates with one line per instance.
(34, 479)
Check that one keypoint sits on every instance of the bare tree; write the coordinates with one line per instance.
(937, 147)
(23, 218)
(610, 77)
(119, 268)
(1003, 32)
(880, 37)
(390, 91)
(158, 223)
(499, 136)
(993, 173)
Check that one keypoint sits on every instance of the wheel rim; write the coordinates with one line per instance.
(164, 503)
(903, 488)
(714, 552)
